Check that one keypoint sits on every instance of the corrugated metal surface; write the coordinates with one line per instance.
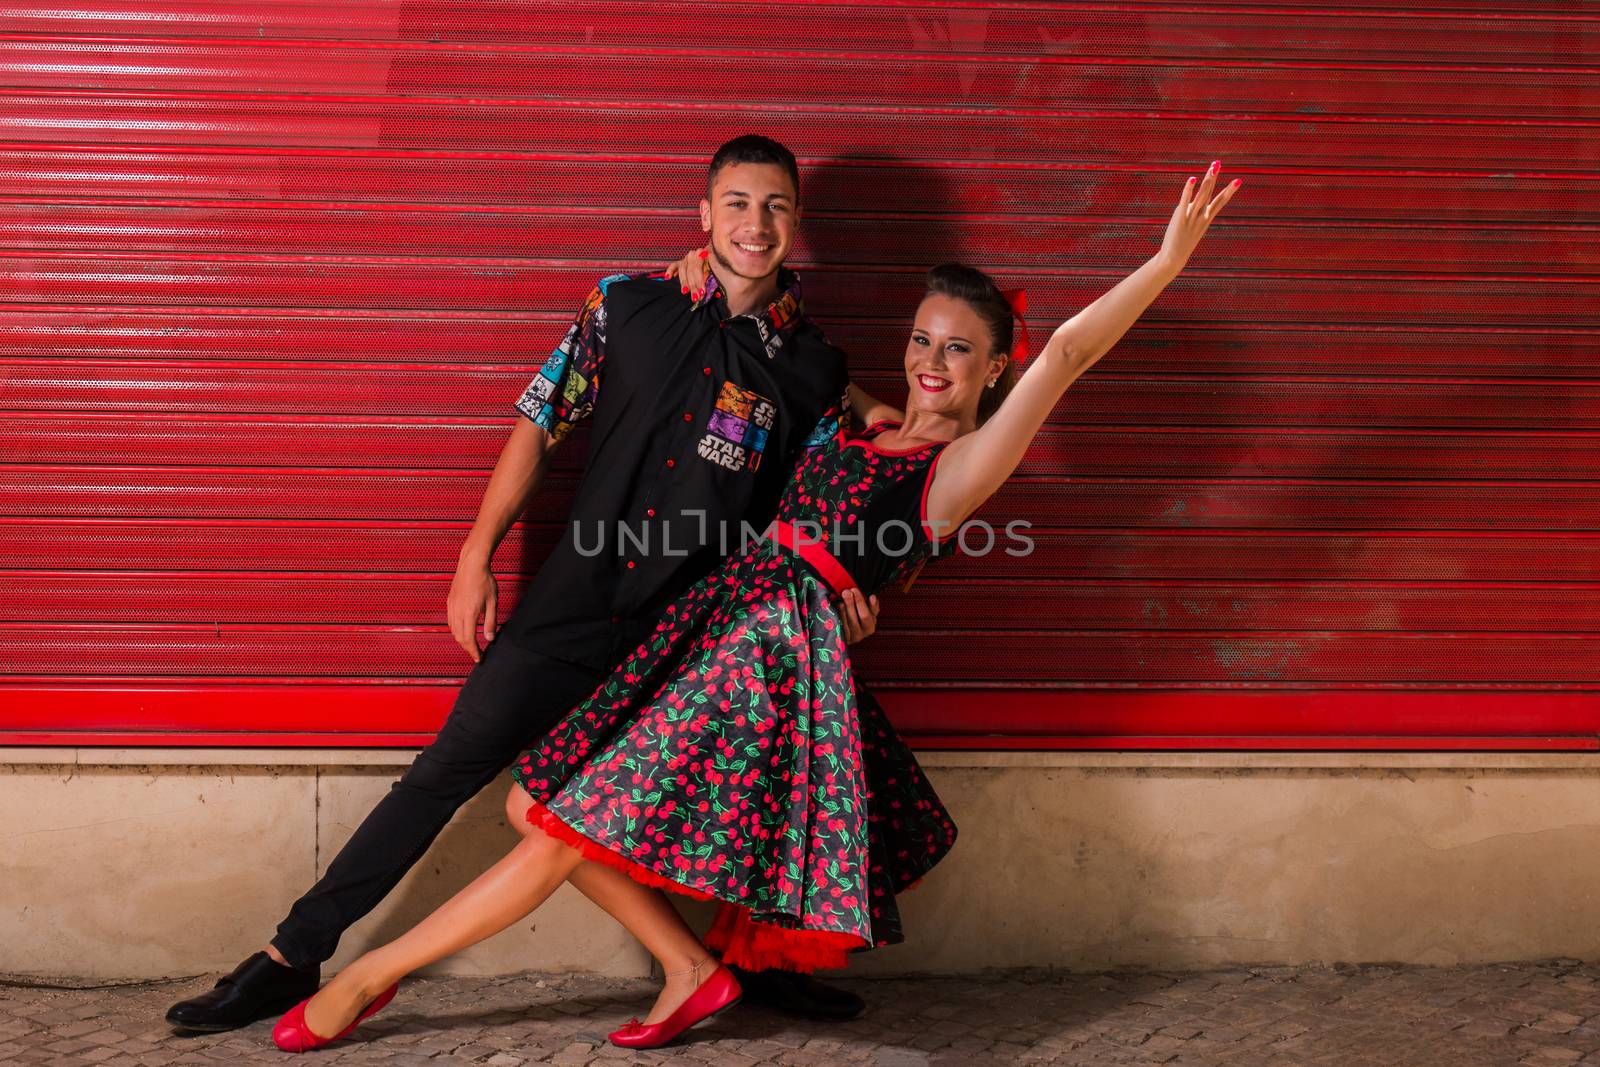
(274, 272)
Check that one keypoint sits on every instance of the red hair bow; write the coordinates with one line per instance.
(1018, 299)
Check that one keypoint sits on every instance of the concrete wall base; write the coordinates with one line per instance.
(142, 863)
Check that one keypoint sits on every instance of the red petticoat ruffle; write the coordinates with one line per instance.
(734, 935)
(755, 946)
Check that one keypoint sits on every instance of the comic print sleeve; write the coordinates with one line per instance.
(563, 393)
(836, 418)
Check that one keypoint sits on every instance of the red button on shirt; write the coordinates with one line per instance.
(650, 512)
(630, 564)
(705, 370)
(688, 416)
(672, 463)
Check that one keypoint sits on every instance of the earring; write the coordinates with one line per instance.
(991, 382)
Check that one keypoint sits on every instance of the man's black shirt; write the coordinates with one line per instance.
(697, 419)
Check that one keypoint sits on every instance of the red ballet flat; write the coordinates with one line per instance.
(711, 998)
(293, 1035)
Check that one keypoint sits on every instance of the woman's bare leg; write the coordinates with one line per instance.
(498, 897)
(647, 915)
(502, 895)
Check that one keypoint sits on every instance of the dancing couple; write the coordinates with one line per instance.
(690, 722)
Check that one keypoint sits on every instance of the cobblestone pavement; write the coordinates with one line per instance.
(1535, 1013)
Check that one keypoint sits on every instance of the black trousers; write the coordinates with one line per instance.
(512, 697)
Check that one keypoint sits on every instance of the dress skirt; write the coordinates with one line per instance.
(729, 758)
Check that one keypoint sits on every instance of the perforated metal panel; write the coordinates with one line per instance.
(273, 274)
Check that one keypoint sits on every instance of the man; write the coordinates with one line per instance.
(700, 406)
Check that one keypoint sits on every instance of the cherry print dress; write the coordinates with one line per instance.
(729, 758)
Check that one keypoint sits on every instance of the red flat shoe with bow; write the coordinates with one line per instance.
(711, 998)
(293, 1035)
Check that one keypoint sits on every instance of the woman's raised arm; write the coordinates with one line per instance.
(975, 465)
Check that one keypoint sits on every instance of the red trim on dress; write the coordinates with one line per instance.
(551, 823)
(743, 942)
(927, 485)
(922, 509)
(867, 442)
(734, 935)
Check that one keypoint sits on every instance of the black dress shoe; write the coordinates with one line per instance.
(258, 988)
(799, 994)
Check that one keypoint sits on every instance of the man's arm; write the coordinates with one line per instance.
(517, 476)
(561, 395)
(868, 409)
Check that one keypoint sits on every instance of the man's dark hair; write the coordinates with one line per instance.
(754, 148)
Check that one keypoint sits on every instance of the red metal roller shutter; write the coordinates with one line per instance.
(275, 272)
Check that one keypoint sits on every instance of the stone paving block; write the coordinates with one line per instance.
(790, 1037)
(68, 1046)
(899, 1057)
(1225, 1035)
(796, 1057)
(1551, 1026)
(1555, 1055)
(732, 1059)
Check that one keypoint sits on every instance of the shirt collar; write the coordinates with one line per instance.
(775, 322)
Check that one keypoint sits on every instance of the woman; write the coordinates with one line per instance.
(726, 758)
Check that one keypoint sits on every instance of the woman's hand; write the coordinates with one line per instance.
(859, 616)
(691, 271)
(974, 466)
(473, 594)
(1196, 208)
